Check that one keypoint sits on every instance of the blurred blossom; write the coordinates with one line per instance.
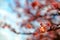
(29, 19)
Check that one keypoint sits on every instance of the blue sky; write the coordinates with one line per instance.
(5, 4)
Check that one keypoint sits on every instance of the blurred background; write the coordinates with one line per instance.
(29, 19)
